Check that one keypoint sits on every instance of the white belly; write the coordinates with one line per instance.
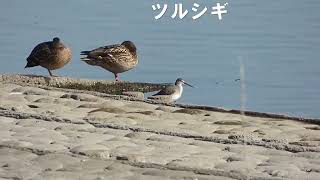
(177, 95)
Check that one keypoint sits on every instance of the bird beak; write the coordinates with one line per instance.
(188, 84)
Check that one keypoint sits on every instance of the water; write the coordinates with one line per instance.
(277, 41)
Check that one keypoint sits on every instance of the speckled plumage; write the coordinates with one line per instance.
(50, 55)
(171, 92)
(116, 58)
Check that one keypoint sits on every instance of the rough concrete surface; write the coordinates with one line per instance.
(58, 134)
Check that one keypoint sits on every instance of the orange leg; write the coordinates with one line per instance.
(116, 76)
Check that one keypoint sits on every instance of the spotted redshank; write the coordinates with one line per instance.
(50, 55)
(171, 93)
(116, 58)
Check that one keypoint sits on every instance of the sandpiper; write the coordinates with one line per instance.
(171, 93)
(116, 58)
(50, 55)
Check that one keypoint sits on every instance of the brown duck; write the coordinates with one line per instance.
(50, 55)
(116, 58)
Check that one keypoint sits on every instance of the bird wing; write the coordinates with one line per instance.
(40, 53)
(109, 54)
(169, 90)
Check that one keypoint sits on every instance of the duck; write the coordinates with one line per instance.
(172, 92)
(117, 58)
(51, 55)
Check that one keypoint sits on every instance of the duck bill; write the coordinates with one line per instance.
(188, 84)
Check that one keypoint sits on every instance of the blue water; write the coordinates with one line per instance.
(279, 43)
